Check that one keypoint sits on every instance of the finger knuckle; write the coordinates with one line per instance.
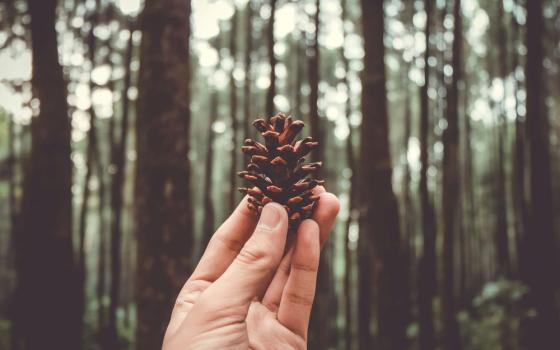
(299, 298)
(255, 254)
(308, 267)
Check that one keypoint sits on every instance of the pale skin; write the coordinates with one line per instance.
(254, 285)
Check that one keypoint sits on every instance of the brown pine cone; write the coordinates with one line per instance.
(277, 169)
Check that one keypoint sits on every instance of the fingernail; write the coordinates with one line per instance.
(270, 216)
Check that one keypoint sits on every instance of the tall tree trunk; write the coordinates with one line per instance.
(541, 331)
(247, 86)
(118, 161)
(451, 337)
(351, 164)
(379, 241)
(15, 335)
(427, 263)
(408, 230)
(162, 191)
(299, 79)
(103, 235)
(299, 68)
(101, 287)
(292, 89)
(233, 111)
(44, 245)
(271, 93)
(321, 324)
(12, 186)
(314, 65)
(519, 178)
(209, 216)
(502, 246)
(91, 152)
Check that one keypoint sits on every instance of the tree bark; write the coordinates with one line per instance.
(541, 331)
(48, 277)
(379, 241)
(451, 337)
(427, 263)
(271, 93)
(162, 192)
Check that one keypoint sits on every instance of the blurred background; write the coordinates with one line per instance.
(121, 123)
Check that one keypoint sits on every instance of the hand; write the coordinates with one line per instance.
(245, 292)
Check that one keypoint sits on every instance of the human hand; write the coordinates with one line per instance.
(245, 292)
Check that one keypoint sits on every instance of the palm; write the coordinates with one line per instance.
(266, 332)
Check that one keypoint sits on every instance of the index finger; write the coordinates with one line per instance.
(226, 243)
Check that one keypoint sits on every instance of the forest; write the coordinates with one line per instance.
(121, 126)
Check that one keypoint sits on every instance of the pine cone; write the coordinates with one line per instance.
(277, 169)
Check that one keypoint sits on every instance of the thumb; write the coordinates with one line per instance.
(250, 273)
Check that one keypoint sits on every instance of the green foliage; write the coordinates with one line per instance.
(494, 320)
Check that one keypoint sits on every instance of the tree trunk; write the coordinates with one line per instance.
(162, 191)
(519, 178)
(247, 86)
(271, 93)
(408, 230)
(321, 325)
(209, 216)
(541, 331)
(299, 81)
(351, 164)
(502, 242)
(44, 245)
(91, 153)
(469, 183)
(314, 64)
(12, 186)
(118, 161)
(233, 111)
(15, 334)
(427, 263)
(299, 69)
(379, 241)
(451, 338)
(103, 235)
